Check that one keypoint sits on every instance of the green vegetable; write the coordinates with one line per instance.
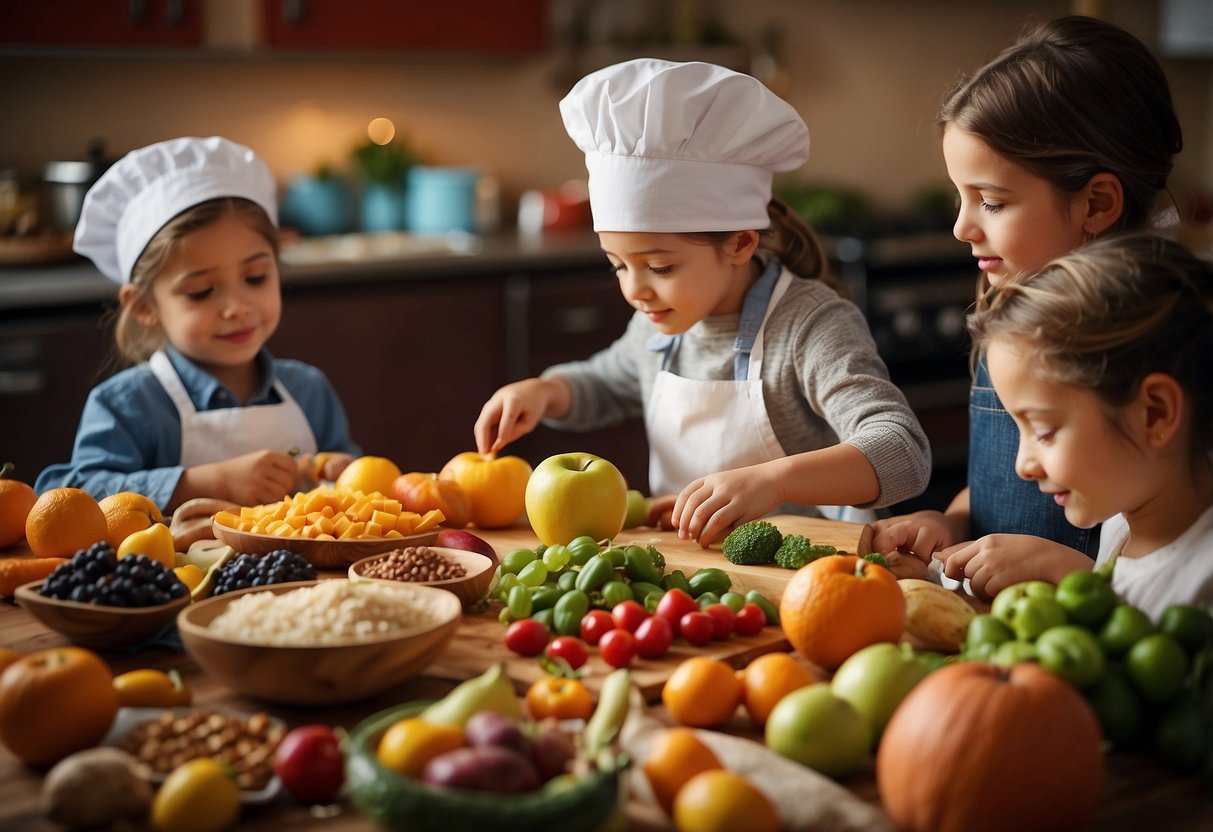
(545, 597)
(615, 592)
(1087, 598)
(612, 709)
(639, 566)
(569, 611)
(733, 600)
(556, 558)
(546, 617)
(706, 599)
(615, 555)
(676, 580)
(596, 572)
(520, 602)
(643, 589)
(515, 559)
(567, 580)
(873, 557)
(657, 558)
(581, 549)
(709, 579)
(533, 574)
(756, 597)
(795, 551)
(752, 543)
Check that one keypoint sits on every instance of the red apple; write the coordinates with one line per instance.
(459, 539)
(310, 763)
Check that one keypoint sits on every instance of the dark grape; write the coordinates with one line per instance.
(246, 570)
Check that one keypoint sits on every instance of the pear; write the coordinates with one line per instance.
(491, 690)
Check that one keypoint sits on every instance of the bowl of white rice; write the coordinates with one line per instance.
(319, 642)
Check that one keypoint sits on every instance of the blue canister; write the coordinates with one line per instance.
(382, 207)
(317, 205)
(441, 199)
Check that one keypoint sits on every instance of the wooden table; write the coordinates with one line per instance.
(1138, 793)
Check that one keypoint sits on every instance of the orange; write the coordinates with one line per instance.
(702, 692)
(840, 604)
(16, 499)
(367, 474)
(126, 513)
(723, 801)
(8, 656)
(495, 485)
(62, 521)
(677, 756)
(768, 679)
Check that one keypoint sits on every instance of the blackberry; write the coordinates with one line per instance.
(277, 567)
(96, 575)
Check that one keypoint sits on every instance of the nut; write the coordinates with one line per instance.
(414, 563)
(244, 744)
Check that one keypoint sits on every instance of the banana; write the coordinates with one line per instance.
(609, 713)
(491, 690)
(935, 617)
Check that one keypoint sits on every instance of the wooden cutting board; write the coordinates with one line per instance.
(480, 640)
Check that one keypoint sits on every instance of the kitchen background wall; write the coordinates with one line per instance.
(867, 77)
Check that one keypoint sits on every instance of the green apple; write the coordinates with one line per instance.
(638, 509)
(575, 494)
(1005, 601)
(875, 680)
(1072, 653)
(1030, 616)
(819, 729)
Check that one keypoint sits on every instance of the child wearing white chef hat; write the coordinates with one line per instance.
(758, 383)
(187, 228)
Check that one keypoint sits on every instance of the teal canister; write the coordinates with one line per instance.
(440, 199)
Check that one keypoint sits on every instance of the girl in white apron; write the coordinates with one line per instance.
(760, 387)
(187, 229)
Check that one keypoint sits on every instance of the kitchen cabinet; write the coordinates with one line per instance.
(518, 26)
(104, 23)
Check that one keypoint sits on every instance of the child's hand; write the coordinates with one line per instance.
(255, 478)
(921, 534)
(516, 409)
(326, 465)
(996, 561)
(711, 506)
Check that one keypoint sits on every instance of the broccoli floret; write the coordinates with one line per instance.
(877, 558)
(797, 550)
(657, 557)
(752, 543)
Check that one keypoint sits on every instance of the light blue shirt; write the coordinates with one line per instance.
(129, 437)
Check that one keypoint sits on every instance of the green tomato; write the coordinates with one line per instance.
(1157, 666)
(1118, 707)
(734, 601)
(515, 559)
(1031, 615)
(1087, 598)
(1072, 653)
(1005, 601)
(1124, 627)
(987, 629)
(1191, 626)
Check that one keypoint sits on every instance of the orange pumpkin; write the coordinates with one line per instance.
(424, 492)
(55, 702)
(977, 746)
(838, 605)
(495, 485)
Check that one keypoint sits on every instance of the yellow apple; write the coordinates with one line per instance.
(575, 494)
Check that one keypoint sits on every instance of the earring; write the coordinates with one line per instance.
(1160, 436)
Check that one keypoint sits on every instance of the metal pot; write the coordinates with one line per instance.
(67, 183)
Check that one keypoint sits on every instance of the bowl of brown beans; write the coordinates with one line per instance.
(467, 574)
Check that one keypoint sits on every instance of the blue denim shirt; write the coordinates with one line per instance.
(129, 438)
(999, 500)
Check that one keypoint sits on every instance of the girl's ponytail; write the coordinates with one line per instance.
(797, 246)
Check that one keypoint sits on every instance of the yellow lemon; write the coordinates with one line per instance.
(411, 743)
(723, 801)
(367, 474)
(156, 542)
(197, 796)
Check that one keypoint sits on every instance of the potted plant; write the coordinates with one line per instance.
(382, 168)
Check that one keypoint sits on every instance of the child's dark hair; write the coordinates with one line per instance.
(132, 341)
(1074, 97)
(1106, 315)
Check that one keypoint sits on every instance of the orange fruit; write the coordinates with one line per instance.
(495, 485)
(840, 604)
(367, 474)
(723, 801)
(702, 692)
(62, 521)
(768, 679)
(16, 499)
(677, 756)
(8, 656)
(126, 513)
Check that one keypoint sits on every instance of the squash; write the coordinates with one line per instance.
(424, 492)
(977, 746)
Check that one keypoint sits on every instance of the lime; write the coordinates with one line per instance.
(1191, 626)
(1087, 598)
(1157, 666)
(1124, 627)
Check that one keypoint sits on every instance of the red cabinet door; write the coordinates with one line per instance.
(159, 23)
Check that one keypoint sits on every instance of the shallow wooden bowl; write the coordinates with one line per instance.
(343, 671)
(322, 553)
(95, 625)
(471, 587)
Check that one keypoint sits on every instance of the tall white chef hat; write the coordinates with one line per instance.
(681, 147)
(147, 187)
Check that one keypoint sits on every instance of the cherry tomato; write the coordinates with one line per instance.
(674, 605)
(596, 623)
(569, 648)
(750, 620)
(618, 648)
(654, 637)
(526, 637)
(722, 620)
(628, 615)
(696, 627)
(310, 763)
(559, 698)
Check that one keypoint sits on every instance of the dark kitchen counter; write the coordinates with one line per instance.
(353, 258)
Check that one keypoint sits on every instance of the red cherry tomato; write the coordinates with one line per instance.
(310, 763)
(696, 627)
(750, 620)
(596, 623)
(526, 637)
(674, 605)
(569, 648)
(628, 615)
(722, 620)
(654, 637)
(618, 648)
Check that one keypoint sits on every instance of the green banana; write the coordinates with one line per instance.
(490, 691)
(610, 712)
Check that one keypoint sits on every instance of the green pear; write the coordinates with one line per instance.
(490, 691)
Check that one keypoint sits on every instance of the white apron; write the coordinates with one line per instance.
(698, 427)
(216, 435)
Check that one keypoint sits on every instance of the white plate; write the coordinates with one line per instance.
(128, 719)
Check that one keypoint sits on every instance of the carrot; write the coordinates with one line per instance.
(17, 571)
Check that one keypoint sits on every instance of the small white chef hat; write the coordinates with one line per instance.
(147, 187)
(678, 147)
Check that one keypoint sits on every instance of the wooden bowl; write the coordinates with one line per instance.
(470, 588)
(322, 553)
(95, 625)
(323, 674)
